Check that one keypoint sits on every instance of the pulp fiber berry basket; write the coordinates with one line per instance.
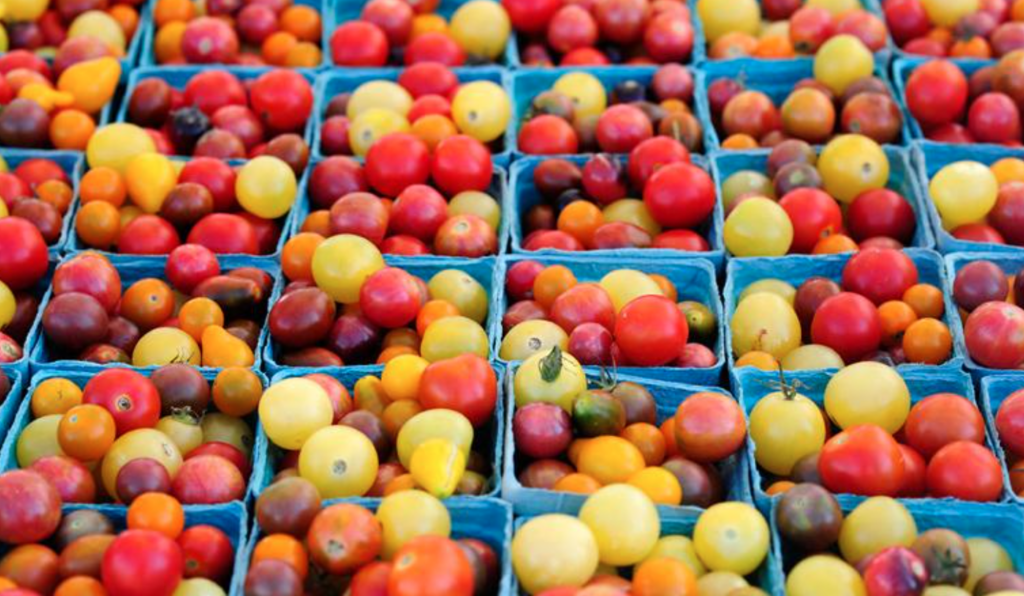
(523, 194)
(994, 391)
(179, 76)
(799, 268)
(40, 291)
(284, 224)
(489, 520)
(148, 29)
(337, 81)
(768, 576)
(667, 396)
(72, 163)
(132, 270)
(1000, 523)
(902, 179)
(9, 406)
(929, 158)
(491, 438)
(340, 12)
(499, 190)
(531, 82)
(23, 416)
(486, 271)
(1011, 264)
(753, 388)
(694, 279)
(775, 79)
(901, 71)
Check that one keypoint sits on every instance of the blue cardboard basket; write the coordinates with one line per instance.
(931, 157)
(694, 279)
(485, 271)
(72, 162)
(1011, 264)
(23, 416)
(10, 405)
(131, 271)
(489, 520)
(339, 12)
(667, 396)
(774, 78)
(768, 576)
(266, 455)
(531, 82)
(498, 190)
(901, 71)
(523, 195)
(147, 27)
(285, 224)
(797, 269)
(337, 81)
(1000, 523)
(902, 179)
(752, 388)
(994, 391)
(35, 332)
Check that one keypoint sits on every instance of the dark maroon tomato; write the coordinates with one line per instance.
(302, 318)
(814, 215)
(391, 298)
(256, 23)
(849, 324)
(544, 473)
(895, 571)
(208, 480)
(977, 283)
(362, 214)
(461, 163)
(604, 179)
(291, 149)
(552, 177)
(43, 216)
(881, 213)
(217, 176)
(315, 357)
(219, 144)
(30, 507)
(790, 151)
(272, 577)
(945, 554)
(354, 338)
(186, 204)
(647, 157)
(181, 387)
(371, 426)
(148, 235)
(334, 136)
(862, 460)
(621, 21)
(548, 135)
(809, 517)
(25, 124)
(140, 476)
(1007, 216)
(793, 176)
(542, 430)
(702, 486)
(288, 506)
(75, 321)
(334, 178)
(879, 274)
(419, 211)
(809, 296)
(619, 234)
(591, 344)
(89, 274)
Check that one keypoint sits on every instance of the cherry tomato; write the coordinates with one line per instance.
(396, 161)
(23, 261)
(359, 43)
(189, 265)
(428, 565)
(391, 298)
(863, 460)
(937, 93)
(283, 99)
(994, 335)
(344, 537)
(131, 398)
(814, 214)
(461, 163)
(136, 554)
(148, 235)
(651, 331)
(225, 233)
(680, 195)
(466, 384)
(709, 427)
(213, 174)
(1010, 422)
(941, 419)
(849, 324)
(967, 471)
(208, 553)
(879, 274)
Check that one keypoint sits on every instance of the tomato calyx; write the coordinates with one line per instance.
(551, 365)
(185, 415)
(607, 380)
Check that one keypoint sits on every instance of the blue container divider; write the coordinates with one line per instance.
(797, 269)
(23, 416)
(994, 391)
(694, 279)
(284, 223)
(523, 195)
(489, 520)
(72, 163)
(901, 71)
(337, 81)
(1011, 264)
(752, 388)
(339, 12)
(148, 29)
(768, 576)
(902, 179)
(531, 82)
(9, 406)
(131, 271)
(668, 396)
(265, 455)
(499, 190)
(485, 271)
(775, 79)
(35, 332)
(1000, 523)
(929, 158)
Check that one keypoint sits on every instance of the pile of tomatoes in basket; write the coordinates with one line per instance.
(958, 29)
(995, 320)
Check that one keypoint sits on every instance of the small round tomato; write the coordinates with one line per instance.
(208, 553)
(283, 99)
(965, 470)
(651, 331)
(680, 195)
(466, 384)
(344, 537)
(814, 214)
(225, 233)
(359, 43)
(428, 565)
(709, 427)
(1010, 422)
(131, 398)
(136, 554)
(548, 135)
(849, 324)
(881, 212)
(391, 298)
(461, 163)
(649, 156)
(396, 161)
(863, 460)
(994, 335)
(23, 262)
(937, 93)
(189, 265)
(941, 419)
(879, 274)
(148, 235)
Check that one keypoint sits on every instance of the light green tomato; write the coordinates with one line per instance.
(758, 227)
(553, 377)
(745, 182)
(460, 289)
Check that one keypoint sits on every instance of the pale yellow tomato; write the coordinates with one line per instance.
(746, 182)
(766, 323)
(183, 430)
(407, 514)
(963, 192)
(785, 427)
(474, 202)
(812, 357)
(38, 440)
(266, 187)
(100, 25)
(720, 583)
(228, 429)
(388, 95)
(842, 61)
(851, 165)
(292, 410)
(340, 461)
(868, 393)
(758, 227)
(586, 92)
(342, 263)
(115, 145)
(947, 13)
(198, 586)
(549, 377)
(632, 211)
(461, 290)
(987, 556)
(875, 524)
(624, 522)
(453, 336)
(372, 124)
(481, 27)
(824, 574)
(721, 17)
(681, 549)
(772, 286)
(24, 10)
(166, 345)
(8, 303)
(625, 285)
(552, 551)
(945, 591)
(481, 109)
(138, 444)
(433, 424)
(836, 7)
(731, 537)
(532, 337)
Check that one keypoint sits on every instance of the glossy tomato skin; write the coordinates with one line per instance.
(428, 78)
(344, 537)
(937, 93)
(966, 471)
(1010, 422)
(136, 554)
(895, 571)
(583, 303)
(89, 274)
(359, 43)
(466, 235)
(216, 176)
(814, 215)
(863, 460)
(915, 480)
(396, 161)
(461, 163)
(994, 335)
(881, 212)
(651, 331)
(391, 298)
(849, 324)
(430, 565)
(680, 195)
(548, 135)
(148, 235)
(189, 265)
(686, 240)
(29, 507)
(23, 260)
(466, 384)
(208, 553)
(879, 274)
(531, 16)
(649, 156)
(419, 211)
(225, 233)
(211, 90)
(131, 398)
(709, 427)
(283, 99)
(371, 580)
(941, 419)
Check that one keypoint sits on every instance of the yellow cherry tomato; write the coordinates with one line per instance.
(149, 178)
(481, 27)
(758, 227)
(166, 345)
(453, 336)
(823, 574)
(945, 591)
(586, 92)
(947, 13)
(292, 410)
(474, 202)
(532, 337)
(868, 393)
(115, 145)
(720, 583)
(721, 17)
(632, 211)
(552, 551)
(812, 357)
(772, 286)
(99, 24)
(836, 7)
(877, 523)
(841, 61)
(340, 461)
(401, 376)
(624, 522)
(731, 537)
(765, 323)
(266, 187)
(372, 124)
(55, 396)
(388, 95)
(342, 263)
(681, 549)
(461, 290)
(963, 192)
(38, 440)
(437, 465)
(553, 377)
(138, 444)
(433, 424)
(23, 10)
(8, 303)
(198, 586)
(481, 109)
(785, 426)
(987, 556)
(407, 514)
(91, 83)
(626, 285)
(852, 164)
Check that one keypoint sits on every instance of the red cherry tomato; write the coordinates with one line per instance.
(430, 565)
(531, 16)
(434, 47)
(358, 43)
(138, 554)
(466, 384)
(405, 246)
(148, 235)
(646, 158)
(651, 331)
(371, 580)
(687, 240)
(391, 298)
(879, 274)
(881, 212)
(941, 419)
(461, 163)
(814, 215)
(396, 161)
(519, 279)
(709, 427)
(849, 324)
(937, 93)
(190, 264)
(862, 460)
(967, 471)
(583, 303)
(622, 127)
(131, 398)
(1010, 422)
(91, 274)
(214, 174)
(23, 260)
(548, 135)
(225, 233)
(994, 335)
(680, 195)
(428, 78)
(283, 99)
(419, 211)
(208, 553)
